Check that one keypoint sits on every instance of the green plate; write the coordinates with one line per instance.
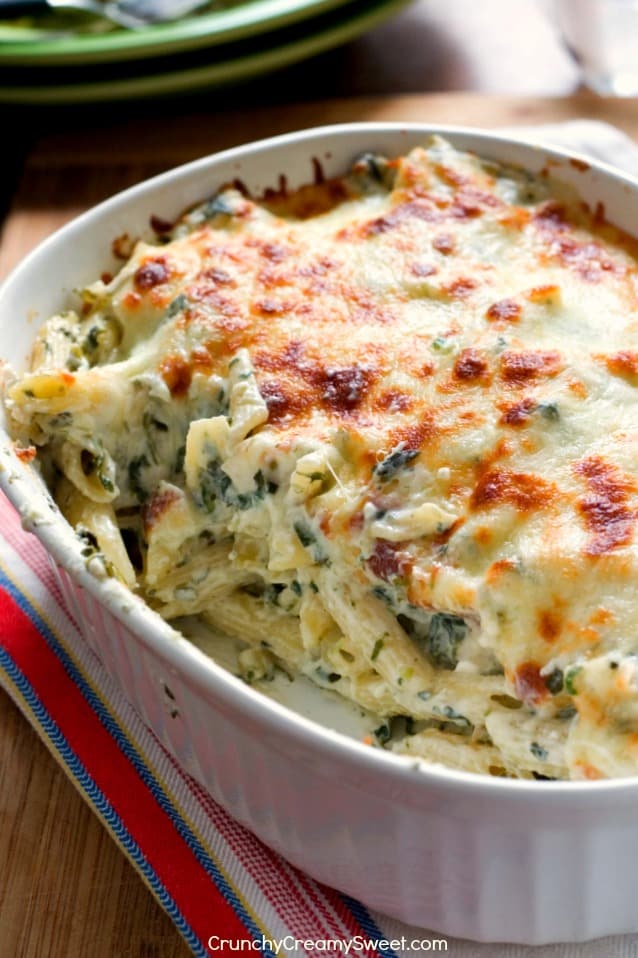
(67, 38)
(326, 32)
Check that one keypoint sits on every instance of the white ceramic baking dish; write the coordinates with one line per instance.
(470, 856)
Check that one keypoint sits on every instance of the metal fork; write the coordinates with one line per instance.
(131, 14)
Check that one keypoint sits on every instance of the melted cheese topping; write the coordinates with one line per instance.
(420, 380)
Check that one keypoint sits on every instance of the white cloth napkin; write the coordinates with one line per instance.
(593, 138)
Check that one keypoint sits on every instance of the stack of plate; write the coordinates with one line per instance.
(64, 59)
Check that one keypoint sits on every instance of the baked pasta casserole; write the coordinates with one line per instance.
(382, 430)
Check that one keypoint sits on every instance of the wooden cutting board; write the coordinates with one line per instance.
(65, 888)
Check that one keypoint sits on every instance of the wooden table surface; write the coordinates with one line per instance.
(66, 891)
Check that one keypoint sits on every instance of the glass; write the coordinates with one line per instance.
(602, 36)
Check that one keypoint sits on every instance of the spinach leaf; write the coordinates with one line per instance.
(177, 306)
(372, 172)
(217, 206)
(554, 681)
(216, 484)
(549, 411)
(394, 462)
(439, 638)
